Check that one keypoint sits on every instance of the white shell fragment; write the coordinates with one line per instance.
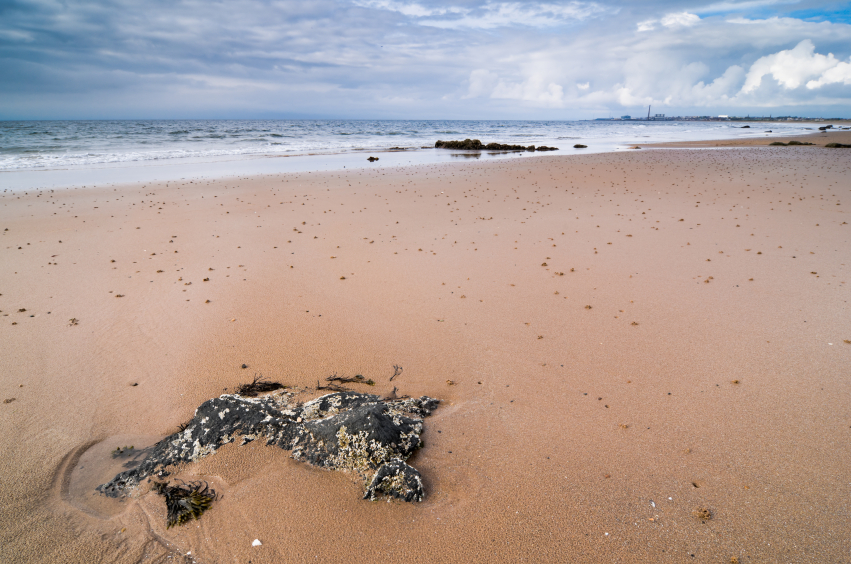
(256, 542)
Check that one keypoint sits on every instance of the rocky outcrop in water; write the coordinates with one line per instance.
(476, 145)
(349, 431)
(790, 143)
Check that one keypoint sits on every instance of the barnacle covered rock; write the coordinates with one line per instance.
(349, 431)
(398, 479)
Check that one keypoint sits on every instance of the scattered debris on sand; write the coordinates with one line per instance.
(702, 513)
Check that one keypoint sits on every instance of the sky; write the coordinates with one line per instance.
(422, 59)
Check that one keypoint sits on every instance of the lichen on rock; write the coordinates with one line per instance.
(349, 431)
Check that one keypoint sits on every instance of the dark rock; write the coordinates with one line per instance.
(467, 145)
(476, 145)
(578, 146)
(372, 159)
(745, 127)
(360, 433)
(825, 127)
(777, 144)
(837, 146)
(397, 479)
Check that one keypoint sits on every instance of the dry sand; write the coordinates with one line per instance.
(710, 371)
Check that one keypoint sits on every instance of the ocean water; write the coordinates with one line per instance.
(90, 151)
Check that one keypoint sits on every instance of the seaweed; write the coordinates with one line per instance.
(357, 379)
(186, 501)
(332, 386)
(258, 386)
(396, 371)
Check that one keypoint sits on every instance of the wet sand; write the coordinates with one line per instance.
(630, 338)
(816, 137)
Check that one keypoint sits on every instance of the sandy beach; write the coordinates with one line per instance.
(619, 342)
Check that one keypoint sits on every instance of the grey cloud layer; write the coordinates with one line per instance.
(395, 58)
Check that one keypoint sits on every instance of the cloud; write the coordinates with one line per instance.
(647, 25)
(841, 73)
(719, 89)
(535, 89)
(727, 7)
(419, 58)
(412, 9)
(482, 83)
(682, 19)
(791, 67)
(491, 14)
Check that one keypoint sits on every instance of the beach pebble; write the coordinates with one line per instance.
(256, 542)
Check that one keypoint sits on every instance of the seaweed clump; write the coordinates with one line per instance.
(837, 146)
(258, 386)
(186, 501)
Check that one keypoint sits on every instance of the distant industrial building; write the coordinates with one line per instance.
(626, 117)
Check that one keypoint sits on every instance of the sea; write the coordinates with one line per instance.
(50, 154)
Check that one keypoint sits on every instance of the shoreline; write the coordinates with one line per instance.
(221, 167)
(817, 138)
(708, 373)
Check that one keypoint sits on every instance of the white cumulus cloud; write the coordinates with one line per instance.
(840, 73)
(791, 67)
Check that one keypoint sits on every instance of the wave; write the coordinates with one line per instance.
(51, 144)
